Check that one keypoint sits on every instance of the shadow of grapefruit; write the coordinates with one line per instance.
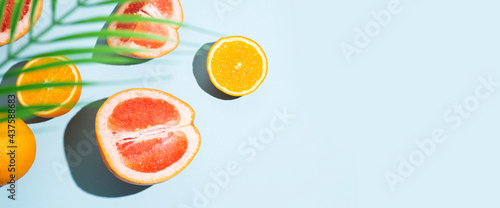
(84, 159)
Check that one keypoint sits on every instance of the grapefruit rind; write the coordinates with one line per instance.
(170, 45)
(111, 155)
(67, 105)
(23, 26)
(150, 11)
(254, 44)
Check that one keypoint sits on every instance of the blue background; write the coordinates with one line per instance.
(353, 120)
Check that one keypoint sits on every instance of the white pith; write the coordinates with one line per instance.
(143, 134)
(108, 139)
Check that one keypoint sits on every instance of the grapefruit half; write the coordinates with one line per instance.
(146, 136)
(161, 9)
(23, 25)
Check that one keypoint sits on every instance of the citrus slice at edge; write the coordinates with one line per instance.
(64, 97)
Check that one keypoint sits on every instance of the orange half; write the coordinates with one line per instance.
(236, 65)
(65, 97)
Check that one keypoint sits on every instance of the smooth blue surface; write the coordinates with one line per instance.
(352, 121)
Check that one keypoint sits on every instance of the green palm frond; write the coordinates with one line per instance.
(32, 17)
(3, 4)
(19, 52)
(60, 21)
(109, 2)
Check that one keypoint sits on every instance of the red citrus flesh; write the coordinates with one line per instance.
(7, 15)
(156, 152)
(165, 7)
(156, 29)
(140, 113)
(146, 136)
(153, 155)
(169, 10)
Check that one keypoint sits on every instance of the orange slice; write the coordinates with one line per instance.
(64, 97)
(236, 65)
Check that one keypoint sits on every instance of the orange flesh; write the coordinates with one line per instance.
(151, 155)
(237, 67)
(51, 95)
(7, 15)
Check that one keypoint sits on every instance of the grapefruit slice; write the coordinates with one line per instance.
(146, 136)
(23, 25)
(161, 9)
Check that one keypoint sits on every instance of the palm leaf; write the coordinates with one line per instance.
(16, 12)
(3, 4)
(13, 89)
(97, 49)
(59, 19)
(110, 2)
(32, 17)
(134, 18)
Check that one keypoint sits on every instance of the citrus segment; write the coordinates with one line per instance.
(236, 65)
(7, 15)
(23, 24)
(164, 7)
(151, 156)
(155, 29)
(65, 97)
(159, 9)
(146, 136)
(140, 113)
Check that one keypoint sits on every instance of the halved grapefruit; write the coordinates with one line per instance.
(146, 136)
(23, 25)
(162, 9)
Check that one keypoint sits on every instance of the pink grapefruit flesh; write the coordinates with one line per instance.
(141, 113)
(146, 136)
(153, 155)
(7, 15)
(23, 22)
(156, 29)
(170, 10)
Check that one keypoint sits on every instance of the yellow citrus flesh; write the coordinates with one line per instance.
(64, 97)
(23, 147)
(236, 65)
